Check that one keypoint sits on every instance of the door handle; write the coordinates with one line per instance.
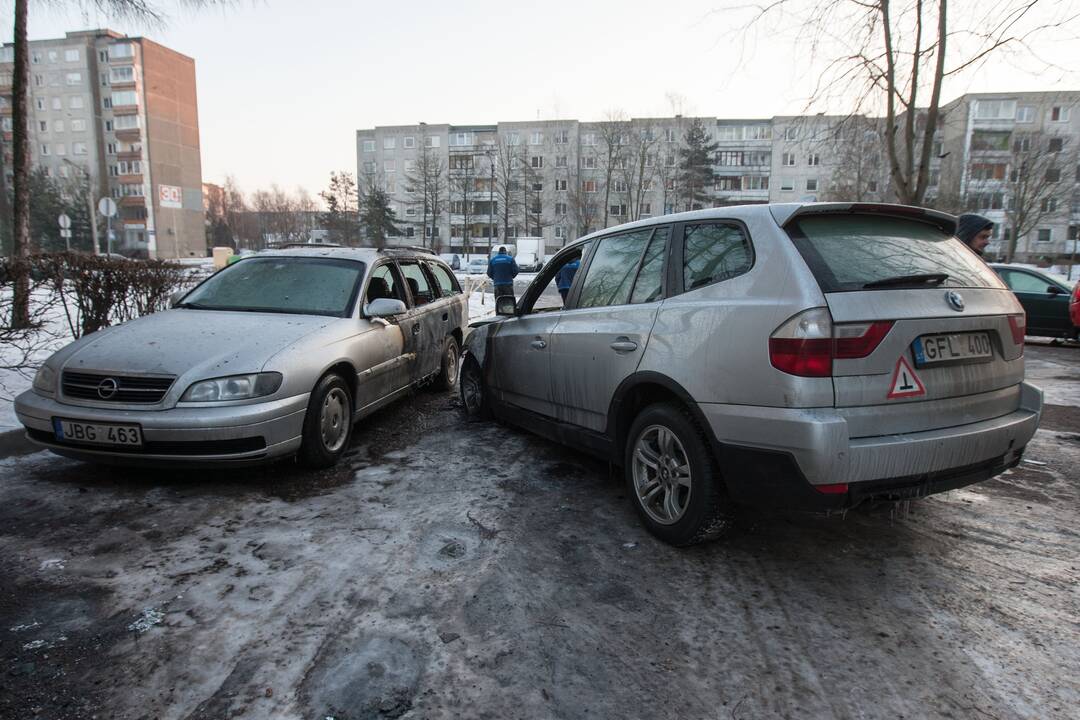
(623, 345)
(538, 344)
(416, 329)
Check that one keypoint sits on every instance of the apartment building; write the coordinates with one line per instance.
(121, 114)
(560, 178)
(1015, 158)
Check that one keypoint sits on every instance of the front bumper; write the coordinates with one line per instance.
(775, 457)
(221, 435)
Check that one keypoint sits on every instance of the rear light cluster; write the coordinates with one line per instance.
(807, 344)
(1018, 325)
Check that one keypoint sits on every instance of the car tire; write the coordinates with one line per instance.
(327, 423)
(473, 389)
(451, 365)
(672, 477)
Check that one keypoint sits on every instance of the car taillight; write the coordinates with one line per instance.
(1018, 324)
(807, 343)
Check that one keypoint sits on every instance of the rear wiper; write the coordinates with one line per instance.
(922, 279)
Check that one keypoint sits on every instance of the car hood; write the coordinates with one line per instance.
(198, 344)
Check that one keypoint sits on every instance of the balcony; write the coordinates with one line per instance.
(131, 201)
(130, 135)
(132, 179)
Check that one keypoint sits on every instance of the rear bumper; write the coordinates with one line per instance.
(223, 435)
(776, 456)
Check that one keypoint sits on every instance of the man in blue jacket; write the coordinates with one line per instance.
(502, 270)
(565, 277)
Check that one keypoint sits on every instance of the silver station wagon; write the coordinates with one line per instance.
(276, 355)
(786, 356)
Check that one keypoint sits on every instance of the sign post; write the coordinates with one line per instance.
(65, 229)
(107, 207)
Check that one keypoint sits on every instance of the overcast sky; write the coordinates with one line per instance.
(283, 85)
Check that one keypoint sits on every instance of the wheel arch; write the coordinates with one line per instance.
(637, 392)
(347, 371)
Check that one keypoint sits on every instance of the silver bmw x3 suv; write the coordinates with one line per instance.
(796, 356)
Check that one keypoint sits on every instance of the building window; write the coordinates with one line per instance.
(669, 135)
(106, 102)
(618, 210)
(728, 183)
(1059, 114)
(588, 186)
(560, 185)
(560, 161)
(460, 139)
(536, 161)
(78, 148)
(39, 80)
(813, 160)
(390, 187)
(122, 74)
(561, 137)
(43, 126)
(1022, 144)
(73, 78)
(410, 211)
(389, 143)
(791, 133)
(755, 182)
(536, 138)
(126, 122)
(78, 125)
(669, 161)
(44, 149)
(560, 232)
(103, 55)
(122, 50)
(1053, 175)
(787, 184)
(811, 184)
(124, 97)
(729, 157)
(1045, 235)
(788, 159)
(538, 187)
(104, 79)
(369, 166)
(110, 149)
(988, 171)
(589, 163)
(669, 184)
(390, 166)
(432, 141)
(995, 109)
(1056, 144)
(409, 142)
(61, 149)
(8, 55)
(513, 139)
(108, 126)
(588, 138)
(645, 209)
(560, 208)
(368, 145)
(1025, 114)
(39, 103)
(621, 186)
(1048, 204)
(461, 162)
(71, 55)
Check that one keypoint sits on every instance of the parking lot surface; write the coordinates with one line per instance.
(454, 569)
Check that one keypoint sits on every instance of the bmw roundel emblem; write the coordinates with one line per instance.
(955, 300)
(107, 388)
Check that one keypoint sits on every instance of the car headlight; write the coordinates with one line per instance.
(45, 380)
(233, 387)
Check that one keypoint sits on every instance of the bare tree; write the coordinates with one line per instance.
(427, 187)
(613, 136)
(860, 173)
(895, 56)
(1041, 183)
(640, 165)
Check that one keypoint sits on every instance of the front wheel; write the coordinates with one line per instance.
(327, 424)
(473, 390)
(672, 478)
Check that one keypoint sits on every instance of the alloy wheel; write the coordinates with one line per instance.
(662, 475)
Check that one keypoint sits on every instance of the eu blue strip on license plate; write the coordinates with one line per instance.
(916, 347)
(58, 428)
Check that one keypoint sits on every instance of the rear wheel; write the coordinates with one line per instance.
(327, 424)
(448, 373)
(672, 477)
(473, 391)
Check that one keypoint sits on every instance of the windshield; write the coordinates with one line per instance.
(298, 285)
(857, 252)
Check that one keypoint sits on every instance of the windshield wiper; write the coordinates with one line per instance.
(190, 306)
(921, 279)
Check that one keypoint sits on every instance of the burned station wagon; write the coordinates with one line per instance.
(276, 355)
(796, 355)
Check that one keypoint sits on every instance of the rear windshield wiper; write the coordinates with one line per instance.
(923, 279)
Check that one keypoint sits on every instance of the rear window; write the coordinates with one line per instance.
(847, 252)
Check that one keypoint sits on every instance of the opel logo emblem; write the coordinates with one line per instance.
(955, 300)
(107, 388)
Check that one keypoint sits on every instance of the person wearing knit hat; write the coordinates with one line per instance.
(974, 231)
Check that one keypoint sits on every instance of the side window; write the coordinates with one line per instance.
(447, 282)
(713, 252)
(612, 269)
(384, 283)
(548, 292)
(1025, 282)
(419, 287)
(650, 280)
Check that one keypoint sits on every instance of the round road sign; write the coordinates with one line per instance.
(107, 207)
(64, 220)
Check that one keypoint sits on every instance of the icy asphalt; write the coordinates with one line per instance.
(469, 570)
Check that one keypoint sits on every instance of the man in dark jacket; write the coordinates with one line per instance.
(565, 277)
(974, 231)
(502, 270)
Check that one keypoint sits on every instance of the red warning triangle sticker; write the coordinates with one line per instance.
(905, 383)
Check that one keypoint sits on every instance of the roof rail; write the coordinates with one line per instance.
(407, 248)
(283, 246)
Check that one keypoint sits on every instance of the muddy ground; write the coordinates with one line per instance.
(473, 571)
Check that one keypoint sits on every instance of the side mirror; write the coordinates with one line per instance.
(384, 307)
(506, 306)
(1053, 290)
(176, 297)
